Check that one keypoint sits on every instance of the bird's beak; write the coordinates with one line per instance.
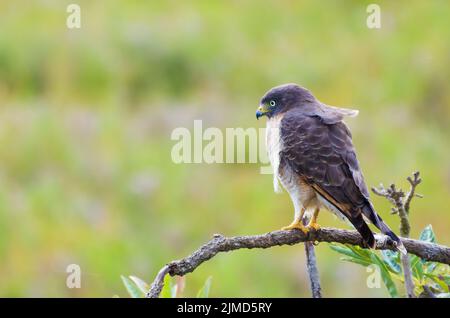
(261, 111)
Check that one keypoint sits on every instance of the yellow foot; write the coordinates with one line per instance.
(296, 225)
(313, 225)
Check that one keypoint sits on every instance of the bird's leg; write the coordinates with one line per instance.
(297, 223)
(313, 223)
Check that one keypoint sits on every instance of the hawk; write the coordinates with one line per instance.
(311, 152)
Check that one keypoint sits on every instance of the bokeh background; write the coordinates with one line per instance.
(86, 115)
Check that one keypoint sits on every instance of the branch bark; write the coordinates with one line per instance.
(219, 243)
(313, 272)
(311, 266)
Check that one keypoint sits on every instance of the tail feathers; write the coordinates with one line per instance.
(387, 231)
(364, 230)
(378, 222)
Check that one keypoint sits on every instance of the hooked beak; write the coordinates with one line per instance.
(261, 111)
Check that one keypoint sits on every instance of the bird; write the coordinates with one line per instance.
(311, 152)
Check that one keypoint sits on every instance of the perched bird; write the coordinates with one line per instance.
(312, 155)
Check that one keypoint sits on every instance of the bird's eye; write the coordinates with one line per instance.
(272, 103)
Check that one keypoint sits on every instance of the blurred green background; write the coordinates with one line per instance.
(86, 115)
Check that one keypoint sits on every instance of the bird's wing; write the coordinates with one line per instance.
(324, 156)
(332, 115)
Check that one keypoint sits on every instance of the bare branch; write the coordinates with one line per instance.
(313, 272)
(219, 243)
(395, 196)
(401, 204)
(414, 182)
(407, 273)
(392, 194)
(158, 284)
(311, 266)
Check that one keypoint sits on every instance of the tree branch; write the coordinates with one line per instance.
(401, 205)
(395, 196)
(311, 266)
(219, 243)
(407, 273)
(414, 182)
(313, 272)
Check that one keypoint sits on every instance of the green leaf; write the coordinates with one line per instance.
(132, 289)
(391, 259)
(143, 286)
(427, 234)
(443, 272)
(204, 291)
(439, 283)
(398, 277)
(386, 276)
(362, 252)
(346, 250)
(416, 267)
(430, 267)
(341, 249)
(166, 291)
(355, 260)
(446, 279)
(366, 257)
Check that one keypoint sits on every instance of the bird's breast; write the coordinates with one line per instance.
(274, 146)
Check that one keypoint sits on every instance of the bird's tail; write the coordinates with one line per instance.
(364, 230)
(370, 213)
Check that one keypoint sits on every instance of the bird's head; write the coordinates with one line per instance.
(283, 98)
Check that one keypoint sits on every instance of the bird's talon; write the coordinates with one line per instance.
(296, 225)
(314, 226)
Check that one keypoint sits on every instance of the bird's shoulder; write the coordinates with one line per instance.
(297, 123)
